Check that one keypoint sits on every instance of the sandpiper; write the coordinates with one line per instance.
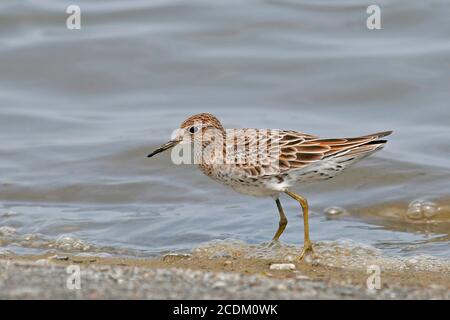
(267, 162)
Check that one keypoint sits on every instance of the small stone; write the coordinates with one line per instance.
(59, 257)
(436, 287)
(302, 277)
(290, 258)
(282, 266)
(219, 284)
(281, 287)
(42, 262)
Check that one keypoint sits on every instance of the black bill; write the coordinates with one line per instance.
(164, 147)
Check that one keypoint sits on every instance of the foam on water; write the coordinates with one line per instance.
(422, 210)
(41, 244)
(7, 231)
(335, 212)
(342, 253)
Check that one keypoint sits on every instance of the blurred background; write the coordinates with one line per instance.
(81, 109)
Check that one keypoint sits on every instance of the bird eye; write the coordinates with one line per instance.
(193, 129)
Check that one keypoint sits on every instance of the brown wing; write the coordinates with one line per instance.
(299, 150)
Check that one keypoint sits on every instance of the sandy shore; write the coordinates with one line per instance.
(224, 273)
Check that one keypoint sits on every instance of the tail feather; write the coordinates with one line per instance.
(316, 152)
(366, 148)
(363, 146)
(379, 134)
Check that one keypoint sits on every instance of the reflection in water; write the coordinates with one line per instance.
(80, 110)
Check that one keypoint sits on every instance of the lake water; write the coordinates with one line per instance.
(81, 109)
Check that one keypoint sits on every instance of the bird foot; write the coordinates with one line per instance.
(274, 243)
(307, 248)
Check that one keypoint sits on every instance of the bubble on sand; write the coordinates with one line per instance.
(69, 244)
(30, 237)
(421, 210)
(238, 249)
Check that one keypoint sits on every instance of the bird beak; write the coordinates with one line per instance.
(164, 147)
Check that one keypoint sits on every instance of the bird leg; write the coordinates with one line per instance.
(283, 221)
(307, 245)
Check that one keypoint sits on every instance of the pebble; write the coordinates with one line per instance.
(282, 266)
(59, 257)
(41, 262)
(302, 277)
(219, 284)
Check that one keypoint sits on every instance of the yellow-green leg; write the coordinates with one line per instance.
(307, 245)
(283, 221)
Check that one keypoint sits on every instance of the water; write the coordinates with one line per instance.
(80, 110)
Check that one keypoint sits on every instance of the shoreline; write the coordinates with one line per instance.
(201, 275)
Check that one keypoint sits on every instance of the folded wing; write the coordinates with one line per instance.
(298, 150)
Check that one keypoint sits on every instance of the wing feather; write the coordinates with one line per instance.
(309, 149)
(296, 150)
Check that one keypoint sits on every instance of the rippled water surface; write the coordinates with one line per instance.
(80, 110)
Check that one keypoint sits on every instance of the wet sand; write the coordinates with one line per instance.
(226, 273)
